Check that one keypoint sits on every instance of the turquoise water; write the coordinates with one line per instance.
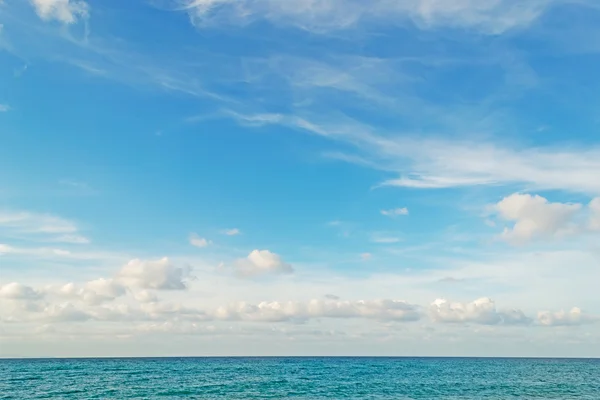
(300, 378)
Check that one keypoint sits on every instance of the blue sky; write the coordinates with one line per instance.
(305, 178)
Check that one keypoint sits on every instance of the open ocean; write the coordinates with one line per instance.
(300, 378)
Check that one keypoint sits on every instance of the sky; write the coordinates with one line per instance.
(316, 177)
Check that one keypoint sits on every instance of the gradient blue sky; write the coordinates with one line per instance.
(408, 177)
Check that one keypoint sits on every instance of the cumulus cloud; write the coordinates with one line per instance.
(198, 241)
(274, 311)
(159, 274)
(490, 16)
(109, 300)
(481, 311)
(291, 310)
(17, 291)
(145, 296)
(262, 262)
(65, 11)
(65, 312)
(93, 292)
(395, 212)
(106, 288)
(562, 318)
(535, 216)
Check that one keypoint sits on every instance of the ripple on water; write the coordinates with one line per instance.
(301, 378)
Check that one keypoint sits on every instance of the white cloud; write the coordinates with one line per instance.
(382, 239)
(65, 11)
(108, 299)
(104, 289)
(41, 227)
(436, 163)
(441, 164)
(78, 309)
(432, 164)
(43, 252)
(490, 16)
(4, 107)
(59, 253)
(36, 223)
(74, 239)
(231, 232)
(595, 214)
(17, 291)
(480, 311)
(65, 312)
(535, 216)
(145, 296)
(562, 318)
(159, 274)
(388, 310)
(262, 262)
(394, 212)
(93, 292)
(198, 241)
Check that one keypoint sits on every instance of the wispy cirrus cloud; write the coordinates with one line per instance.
(231, 232)
(383, 238)
(58, 253)
(65, 11)
(488, 16)
(41, 227)
(436, 162)
(426, 162)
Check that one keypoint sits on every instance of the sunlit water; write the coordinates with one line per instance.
(300, 378)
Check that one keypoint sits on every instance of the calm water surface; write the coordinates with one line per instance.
(300, 378)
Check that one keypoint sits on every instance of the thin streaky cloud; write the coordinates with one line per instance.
(321, 16)
(395, 212)
(231, 232)
(385, 239)
(437, 163)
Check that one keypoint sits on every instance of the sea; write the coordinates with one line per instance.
(300, 378)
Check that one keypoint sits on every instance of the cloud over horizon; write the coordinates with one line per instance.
(451, 145)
